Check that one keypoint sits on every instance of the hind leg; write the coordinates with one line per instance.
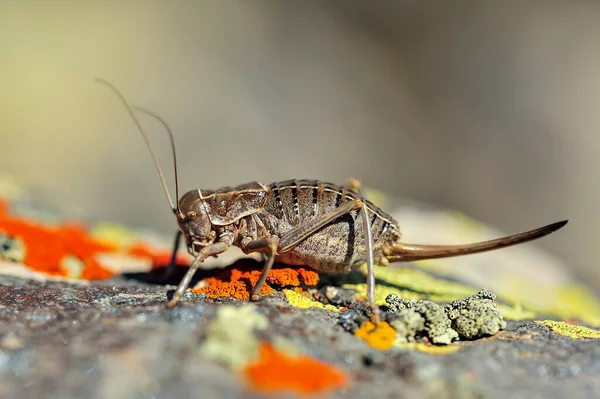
(354, 185)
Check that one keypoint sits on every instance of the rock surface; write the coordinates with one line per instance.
(115, 339)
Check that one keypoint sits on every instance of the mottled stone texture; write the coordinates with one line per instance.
(115, 339)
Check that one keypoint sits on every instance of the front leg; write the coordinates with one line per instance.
(269, 245)
(168, 272)
(218, 247)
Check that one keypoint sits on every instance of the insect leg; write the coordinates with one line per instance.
(173, 262)
(355, 186)
(210, 250)
(269, 244)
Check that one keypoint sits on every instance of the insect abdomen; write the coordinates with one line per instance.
(336, 247)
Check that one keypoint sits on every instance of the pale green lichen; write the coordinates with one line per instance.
(570, 330)
(408, 324)
(468, 318)
(421, 318)
(12, 249)
(286, 346)
(475, 316)
(396, 303)
(112, 233)
(72, 266)
(421, 282)
(437, 324)
(231, 339)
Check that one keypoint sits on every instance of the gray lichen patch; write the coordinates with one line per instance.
(421, 319)
(468, 318)
(396, 304)
(437, 324)
(408, 325)
(475, 316)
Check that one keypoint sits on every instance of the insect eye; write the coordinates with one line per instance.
(191, 215)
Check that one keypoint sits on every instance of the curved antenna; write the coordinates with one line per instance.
(172, 140)
(141, 130)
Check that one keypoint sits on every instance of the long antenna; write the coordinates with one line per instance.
(141, 130)
(172, 140)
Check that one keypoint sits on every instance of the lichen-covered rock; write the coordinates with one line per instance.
(408, 324)
(437, 324)
(230, 339)
(475, 316)
(420, 318)
(396, 303)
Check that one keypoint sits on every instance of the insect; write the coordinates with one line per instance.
(331, 228)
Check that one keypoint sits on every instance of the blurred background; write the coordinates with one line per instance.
(490, 108)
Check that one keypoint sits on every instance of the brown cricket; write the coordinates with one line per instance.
(329, 227)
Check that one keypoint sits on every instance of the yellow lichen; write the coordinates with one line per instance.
(570, 330)
(113, 234)
(72, 266)
(515, 312)
(568, 301)
(380, 337)
(10, 188)
(377, 197)
(383, 291)
(577, 301)
(231, 338)
(420, 282)
(303, 302)
(571, 301)
(426, 348)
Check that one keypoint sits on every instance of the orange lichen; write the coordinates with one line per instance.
(3, 208)
(44, 257)
(237, 280)
(276, 372)
(77, 241)
(94, 271)
(159, 258)
(47, 246)
(301, 290)
(309, 276)
(380, 337)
